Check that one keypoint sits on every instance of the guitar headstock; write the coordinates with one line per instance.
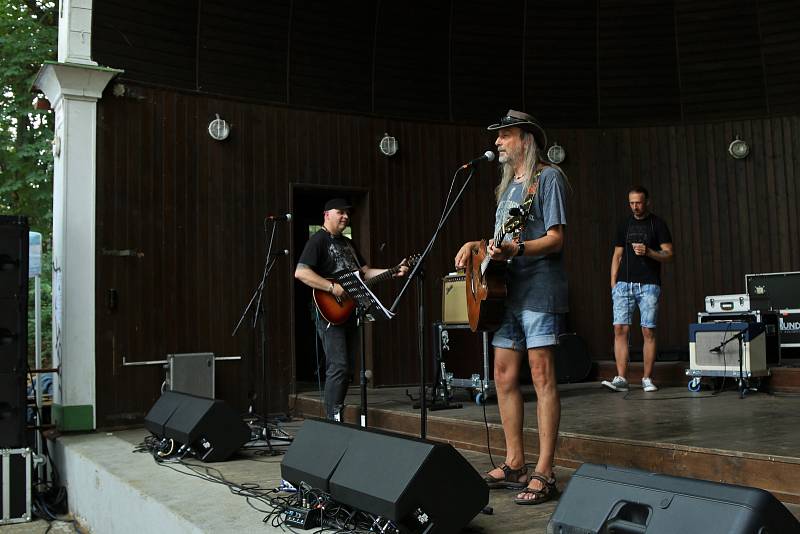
(411, 261)
(513, 224)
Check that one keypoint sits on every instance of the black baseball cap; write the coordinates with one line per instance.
(337, 204)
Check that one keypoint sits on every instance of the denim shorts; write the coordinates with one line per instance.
(527, 329)
(627, 295)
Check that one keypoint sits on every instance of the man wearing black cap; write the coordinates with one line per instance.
(328, 254)
(535, 304)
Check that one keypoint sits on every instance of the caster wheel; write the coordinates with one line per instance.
(480, 399)
(694, 385)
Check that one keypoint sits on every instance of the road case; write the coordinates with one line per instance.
(15, 485)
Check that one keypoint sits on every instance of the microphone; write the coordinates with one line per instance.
(279, 253)
(488, 156)
(285, 217)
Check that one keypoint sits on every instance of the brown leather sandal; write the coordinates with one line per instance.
(548, 491)
(510, 478)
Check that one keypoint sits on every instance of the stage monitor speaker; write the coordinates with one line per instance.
(605, 499)
(13, 410)
(418, 484)
(212, 429)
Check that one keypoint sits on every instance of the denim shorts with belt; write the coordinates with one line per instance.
(628, 295)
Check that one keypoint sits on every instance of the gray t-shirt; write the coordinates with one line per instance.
(537, 283)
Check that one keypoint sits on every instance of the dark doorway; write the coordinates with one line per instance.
(307, 207)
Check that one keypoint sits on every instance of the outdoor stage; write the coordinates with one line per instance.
(751, 441)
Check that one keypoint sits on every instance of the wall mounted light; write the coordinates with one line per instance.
(219, 129)
(738, 149)
(388, 145)
(556, 153)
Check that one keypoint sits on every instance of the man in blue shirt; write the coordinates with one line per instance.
(536, 301)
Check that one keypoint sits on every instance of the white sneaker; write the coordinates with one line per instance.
(647, 384)
(618, 384)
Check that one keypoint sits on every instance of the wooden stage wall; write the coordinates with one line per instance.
(189, 212)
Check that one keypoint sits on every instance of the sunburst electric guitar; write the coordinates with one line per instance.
(338, 310)
(486, 278)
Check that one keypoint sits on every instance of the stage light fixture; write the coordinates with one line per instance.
(388, 145)
(556, 153)
(738, 149)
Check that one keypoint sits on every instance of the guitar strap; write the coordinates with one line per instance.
(353, 253)
(531, 196)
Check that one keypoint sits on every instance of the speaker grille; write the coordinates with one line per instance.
(728, 355)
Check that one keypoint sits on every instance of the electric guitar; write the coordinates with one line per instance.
(338, 310)
(486, 278)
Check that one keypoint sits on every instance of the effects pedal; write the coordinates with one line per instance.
(302, 518)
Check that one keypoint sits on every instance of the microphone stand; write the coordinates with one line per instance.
(721, 348)
(417, 274)
(259, 320)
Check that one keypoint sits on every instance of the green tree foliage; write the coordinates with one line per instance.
(28, 37)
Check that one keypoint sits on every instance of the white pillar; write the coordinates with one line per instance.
(75, 32)
(73, 91)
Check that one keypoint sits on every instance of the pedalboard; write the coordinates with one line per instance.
(302, 518)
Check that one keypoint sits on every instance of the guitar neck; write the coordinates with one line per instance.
(385, 275)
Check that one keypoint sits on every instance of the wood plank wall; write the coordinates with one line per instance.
(191, 210)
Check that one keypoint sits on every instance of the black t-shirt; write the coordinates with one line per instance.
(329, 255)
(652, 231)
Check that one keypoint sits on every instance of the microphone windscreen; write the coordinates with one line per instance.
(489, 155)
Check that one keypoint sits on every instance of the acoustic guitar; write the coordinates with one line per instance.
(486, 278)
(338, 310)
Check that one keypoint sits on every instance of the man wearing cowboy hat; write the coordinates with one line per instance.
(328, 254)
(535, 304)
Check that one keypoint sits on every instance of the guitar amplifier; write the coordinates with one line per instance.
(714, 349)
(454, 299)
(774, 339)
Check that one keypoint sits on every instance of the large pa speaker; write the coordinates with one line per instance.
(212, 429)
(14, 257)
(13, 294)
(418, 484)
(13, 329)
(604, 499)
(13, 410)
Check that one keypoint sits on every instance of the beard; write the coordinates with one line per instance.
(510, 157)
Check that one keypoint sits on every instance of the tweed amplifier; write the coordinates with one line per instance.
(454, 299)
(715, 348)
(770, 319)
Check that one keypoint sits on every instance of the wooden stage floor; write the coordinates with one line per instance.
(753, 441)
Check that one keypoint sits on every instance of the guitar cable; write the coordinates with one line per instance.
(316, 352)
